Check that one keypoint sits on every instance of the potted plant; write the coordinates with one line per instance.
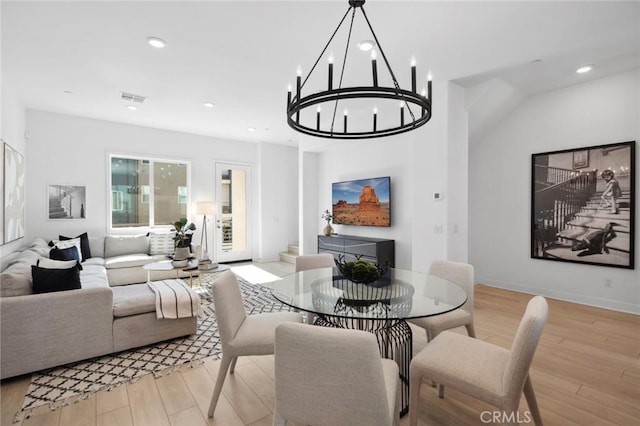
(182, 239)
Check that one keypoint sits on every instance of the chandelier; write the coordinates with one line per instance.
(417, 104)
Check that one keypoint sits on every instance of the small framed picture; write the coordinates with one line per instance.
(581, 159)
(67, 202)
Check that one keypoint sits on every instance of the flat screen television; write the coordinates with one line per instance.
(363, 202)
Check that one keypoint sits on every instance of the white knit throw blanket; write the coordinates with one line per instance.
(174, 299)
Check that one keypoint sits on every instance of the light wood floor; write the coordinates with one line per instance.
(586, 371)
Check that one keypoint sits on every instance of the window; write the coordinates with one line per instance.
(134, 203)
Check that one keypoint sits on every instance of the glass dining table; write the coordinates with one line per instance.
(382, 307)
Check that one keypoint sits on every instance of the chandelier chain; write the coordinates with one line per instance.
(344, 63)
(325, 48)
(393, 76)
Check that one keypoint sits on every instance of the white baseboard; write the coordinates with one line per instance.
(632, 308)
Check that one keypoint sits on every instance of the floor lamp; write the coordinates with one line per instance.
(205, 208)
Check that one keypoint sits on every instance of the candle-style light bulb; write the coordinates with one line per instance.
(298, 90)
(413, 74)
(288, 94)
(402, 113)
(375, 118)
(345, 119)
(429, 78)
(330, 74)
(318, 118)
(374, 67)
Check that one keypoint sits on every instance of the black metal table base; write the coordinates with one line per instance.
(394, 339)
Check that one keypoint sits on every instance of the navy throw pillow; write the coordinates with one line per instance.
(85, 248)
(50, 280)
(70, 253)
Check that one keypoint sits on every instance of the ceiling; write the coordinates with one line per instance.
(241, 55)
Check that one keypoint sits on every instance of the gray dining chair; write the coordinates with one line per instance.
(462, 275)
(240, 334)
(490, 373)
(333, 376)
(314, 261)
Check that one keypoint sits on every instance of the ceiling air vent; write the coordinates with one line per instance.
(132, 97)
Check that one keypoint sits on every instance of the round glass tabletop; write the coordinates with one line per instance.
(399, 294)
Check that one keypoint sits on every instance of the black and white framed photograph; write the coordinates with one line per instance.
(67, 202)
(583, 205)
(13, 194)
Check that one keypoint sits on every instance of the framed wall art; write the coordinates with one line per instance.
(67, 202)
(583, 205)
(13, 194)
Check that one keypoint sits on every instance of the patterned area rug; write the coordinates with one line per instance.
(57, 387)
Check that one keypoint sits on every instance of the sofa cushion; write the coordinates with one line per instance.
(161, 243)
(85, 248)
(127, 261)
(16, 280)
(43, 262)
(94, 261)
(118, 245)
(133, 300)
(50, 280)
(93, 276)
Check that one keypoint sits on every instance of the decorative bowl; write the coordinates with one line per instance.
(180, 263)
(360, 271)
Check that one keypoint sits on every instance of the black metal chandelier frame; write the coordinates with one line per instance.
(297, 103)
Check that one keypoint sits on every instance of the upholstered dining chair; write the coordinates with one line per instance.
(314, 261)
(240, 334)
(480, 369)
(333, 376)
(461, 274)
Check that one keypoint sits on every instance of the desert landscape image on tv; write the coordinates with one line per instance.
(362, 202)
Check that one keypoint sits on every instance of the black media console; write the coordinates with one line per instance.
(373, 250)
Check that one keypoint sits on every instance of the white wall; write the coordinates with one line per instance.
(419, 163)
(73, 150)
(603, 111)
(278, 193)
(12, 128)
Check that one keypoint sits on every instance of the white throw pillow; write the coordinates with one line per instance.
(161, 243)
(74, 242)
(56, 264)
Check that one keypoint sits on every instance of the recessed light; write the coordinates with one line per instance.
(156, 42)
(132, 107)
(585, 68)
(366, 45)
(251, 129)
(208, 104)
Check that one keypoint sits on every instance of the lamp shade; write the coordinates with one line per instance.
(205, 207)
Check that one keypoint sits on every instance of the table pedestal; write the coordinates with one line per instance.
(394, 340)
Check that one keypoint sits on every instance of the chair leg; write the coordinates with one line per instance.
(233, 365)
(471, 331)
(440, 391)
(530, 396)
(222, 374)
(310, 318)
(415, 381)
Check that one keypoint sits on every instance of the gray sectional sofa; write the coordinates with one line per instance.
(113, 310)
